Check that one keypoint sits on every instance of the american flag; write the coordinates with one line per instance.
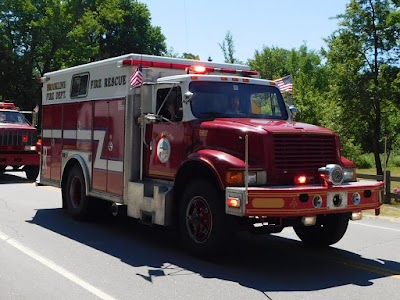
(285, 84)
(137, 77)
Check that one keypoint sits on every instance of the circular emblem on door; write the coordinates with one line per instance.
(163, 150)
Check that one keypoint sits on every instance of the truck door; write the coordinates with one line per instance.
(51, 142)
(164, 150)
(108, 145)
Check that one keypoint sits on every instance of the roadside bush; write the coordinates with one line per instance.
(351, 151)
(396, 161)
(365, 161)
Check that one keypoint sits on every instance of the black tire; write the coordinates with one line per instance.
(202, 220)
(74, 191)
(32, 172)
(328, 230)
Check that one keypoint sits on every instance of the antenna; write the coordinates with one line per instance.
(186, 31)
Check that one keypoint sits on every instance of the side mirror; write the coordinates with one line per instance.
(187, 96)
(147, 119)
(293, 111)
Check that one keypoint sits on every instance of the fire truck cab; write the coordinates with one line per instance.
(18, 142)
(207, 147)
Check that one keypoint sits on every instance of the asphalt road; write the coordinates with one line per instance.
(44, 254)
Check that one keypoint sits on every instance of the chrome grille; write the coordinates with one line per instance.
(304, 151)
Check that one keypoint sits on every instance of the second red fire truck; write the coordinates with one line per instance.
(160, 139)
(19, 145)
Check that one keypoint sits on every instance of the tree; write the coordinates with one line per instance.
(126, 28)
(310, 78)
(190, 56)
(228, 49)
(37, 36)
(362, 57)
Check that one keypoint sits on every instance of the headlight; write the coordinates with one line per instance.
(349, 174)
(30, 148)
(332, 173)
(253, 178)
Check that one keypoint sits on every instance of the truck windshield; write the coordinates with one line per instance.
(12, 117)
(236, 100)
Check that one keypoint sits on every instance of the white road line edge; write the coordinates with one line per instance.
(60, 270)
(379, 227)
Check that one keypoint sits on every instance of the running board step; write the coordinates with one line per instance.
(156, 209)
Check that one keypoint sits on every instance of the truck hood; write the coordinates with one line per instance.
(272, 126)
(16, 126)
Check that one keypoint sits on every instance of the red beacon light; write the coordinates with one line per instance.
(199, 69)
(301, 179)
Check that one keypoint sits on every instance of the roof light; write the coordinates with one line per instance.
(42, 79)
(199, 69)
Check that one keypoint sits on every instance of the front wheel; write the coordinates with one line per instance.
(328, 230)
(31, 172)
(202, 221)
(74, 191)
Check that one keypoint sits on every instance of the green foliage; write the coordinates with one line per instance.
(362, 63)
(190, 56)
(37, 36)
(271, 63)
(228, 48)
(365, 161)
(310, 79)
(396, 161)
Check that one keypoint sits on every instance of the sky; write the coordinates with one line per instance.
(198, 27)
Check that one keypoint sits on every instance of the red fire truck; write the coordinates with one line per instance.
(18, 142)
(157, 138)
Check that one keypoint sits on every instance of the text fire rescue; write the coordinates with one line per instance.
(94, 84)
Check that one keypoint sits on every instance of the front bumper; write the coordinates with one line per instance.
(19, 158)
(297, 201)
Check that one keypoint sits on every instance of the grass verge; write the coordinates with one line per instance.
(392, 210)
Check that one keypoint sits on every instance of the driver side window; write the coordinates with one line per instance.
(171, 107)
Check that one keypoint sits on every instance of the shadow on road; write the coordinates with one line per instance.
(263, 263)
(14, 177)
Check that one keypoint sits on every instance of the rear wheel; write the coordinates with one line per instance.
(328, 230)
(31, 172)
(74, 191)
(202, 221)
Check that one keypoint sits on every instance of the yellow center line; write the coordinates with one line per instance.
(366, 267)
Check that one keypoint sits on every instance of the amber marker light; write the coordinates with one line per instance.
(234, 177)
(233, 202)
(300, 179)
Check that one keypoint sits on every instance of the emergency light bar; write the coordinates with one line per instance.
(189, 69)
(7, 105)
(151, 64)
(204, 70)
(42, 79)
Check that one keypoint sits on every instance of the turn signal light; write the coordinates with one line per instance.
(234, 177)
(233, 202)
